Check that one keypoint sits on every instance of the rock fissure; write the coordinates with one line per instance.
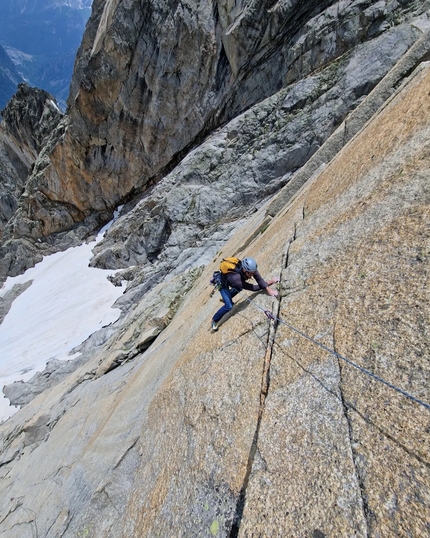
(30, 513)
(64, 533)
(11, 510)
(264, 391)
(4, 463)
(26, 523)
(103, 491)
(348, 406)
(265, 384)
(118, 463)
(367, 514)
(53, 527)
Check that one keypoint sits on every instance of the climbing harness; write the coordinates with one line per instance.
(269, 314)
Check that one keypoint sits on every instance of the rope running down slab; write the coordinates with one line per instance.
(322, 346)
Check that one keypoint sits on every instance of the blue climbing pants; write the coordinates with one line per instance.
(227, 295)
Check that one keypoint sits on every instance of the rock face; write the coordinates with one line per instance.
(150, 81)
(30, 117)
(176, 223)
(255, 430)
(27, 122)
(294, 132)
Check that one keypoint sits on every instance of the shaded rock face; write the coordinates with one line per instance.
(27, 122)
(151, 79)
(29, 125)
(30, 117)
(255, 430)
(32, 125)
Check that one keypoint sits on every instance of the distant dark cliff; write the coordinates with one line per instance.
(27, 122)
(41, 38)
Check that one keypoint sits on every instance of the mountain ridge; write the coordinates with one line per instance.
(41, 39)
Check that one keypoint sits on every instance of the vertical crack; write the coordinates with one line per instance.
(264, 391)
(265, 384)
(367, 513)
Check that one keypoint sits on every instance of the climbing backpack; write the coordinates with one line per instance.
(227, 265)
(230, 265)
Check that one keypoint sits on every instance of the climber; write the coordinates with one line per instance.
(233, 282)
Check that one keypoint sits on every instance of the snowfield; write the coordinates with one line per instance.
(66, 303)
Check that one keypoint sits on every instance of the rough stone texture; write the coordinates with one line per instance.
(152, 80)
(27, 122)
(254, 430)
(356, 119)
(176, 225)
(357, 281)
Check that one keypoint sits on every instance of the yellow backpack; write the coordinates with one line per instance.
(230, 265)
(227, 265)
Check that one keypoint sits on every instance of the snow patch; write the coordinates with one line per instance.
(66, 303)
